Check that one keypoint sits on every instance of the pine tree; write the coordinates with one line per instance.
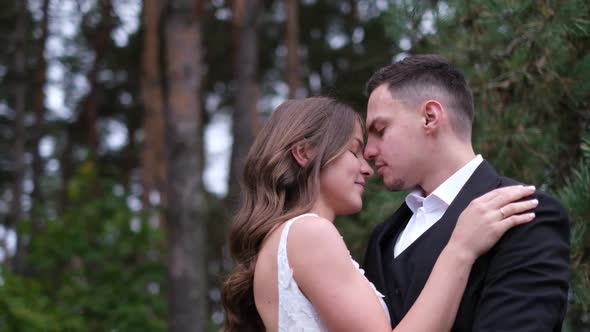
(575, 194)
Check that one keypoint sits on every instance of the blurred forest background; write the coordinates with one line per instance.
(123, 123)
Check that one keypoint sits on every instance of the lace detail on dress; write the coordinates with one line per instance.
(296, 313)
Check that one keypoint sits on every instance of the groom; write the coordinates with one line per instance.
(419, 120)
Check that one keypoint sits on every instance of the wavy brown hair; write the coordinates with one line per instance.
(274, 188)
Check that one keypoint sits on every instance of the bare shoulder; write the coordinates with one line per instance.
(314, 231)
(315, 239)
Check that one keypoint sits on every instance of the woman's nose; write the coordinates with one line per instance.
(366, 169)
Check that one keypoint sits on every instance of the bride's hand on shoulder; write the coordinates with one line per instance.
(488, 217)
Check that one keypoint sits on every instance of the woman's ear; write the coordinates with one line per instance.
(302, 153)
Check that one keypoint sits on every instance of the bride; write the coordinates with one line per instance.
(293, 271)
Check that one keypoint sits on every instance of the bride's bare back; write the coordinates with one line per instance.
(266, 295)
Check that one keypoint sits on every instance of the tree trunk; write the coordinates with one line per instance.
(66, 166)
(100, 41)
(39, 110)
(187, 266)
(292, 48)
(20, 104)
(245, 116)
(153, 159)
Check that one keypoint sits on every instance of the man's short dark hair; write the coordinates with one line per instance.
(429, 76)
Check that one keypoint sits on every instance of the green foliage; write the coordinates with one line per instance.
(97, 267)
(575, 195)
(25, 307)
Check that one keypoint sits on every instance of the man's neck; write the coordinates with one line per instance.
(444, 165)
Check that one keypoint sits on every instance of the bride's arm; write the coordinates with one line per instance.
(323, 269)
(343, 297)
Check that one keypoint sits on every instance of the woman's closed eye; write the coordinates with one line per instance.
(356, 150)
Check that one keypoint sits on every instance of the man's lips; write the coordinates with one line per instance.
(379, 169)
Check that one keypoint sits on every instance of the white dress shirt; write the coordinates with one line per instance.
(428, 210)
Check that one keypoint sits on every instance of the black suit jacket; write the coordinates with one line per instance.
(521, 284)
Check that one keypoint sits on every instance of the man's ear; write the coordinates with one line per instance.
(433, 114)
(302, 153)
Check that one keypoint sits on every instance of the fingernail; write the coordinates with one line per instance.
(530, 215)
(530, 187)
(534, 201)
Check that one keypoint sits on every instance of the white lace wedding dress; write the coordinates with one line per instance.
(296, 313)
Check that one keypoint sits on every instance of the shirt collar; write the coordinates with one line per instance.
(444, 195)
(414, 200)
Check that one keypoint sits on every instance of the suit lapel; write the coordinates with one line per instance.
(384, 241)
(483, 180)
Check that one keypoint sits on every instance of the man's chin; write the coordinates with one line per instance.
(395, 185)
